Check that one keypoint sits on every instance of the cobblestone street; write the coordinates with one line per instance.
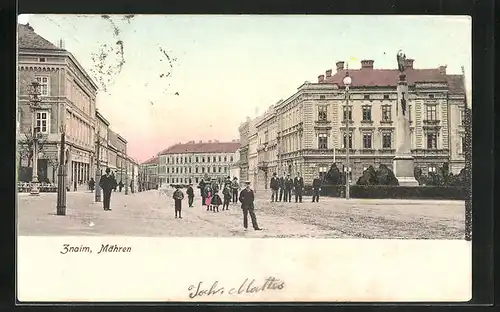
(152, 214)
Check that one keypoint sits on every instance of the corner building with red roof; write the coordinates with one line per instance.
(188, 162)
(307, 131)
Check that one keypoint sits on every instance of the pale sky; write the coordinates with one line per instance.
(230, 67)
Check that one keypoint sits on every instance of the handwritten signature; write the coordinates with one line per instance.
(247, 287)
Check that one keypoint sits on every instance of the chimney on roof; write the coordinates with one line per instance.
(29, 27)
(409, 63)
(442, 70)
(367, 64)
(321, 78)
(61, 43)
(328, 73)
(340, 65)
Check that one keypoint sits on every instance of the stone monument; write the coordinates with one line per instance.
(403, 165)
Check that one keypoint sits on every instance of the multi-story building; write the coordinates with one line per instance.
(68, 104)
(252, 153)
(112, 150)
(102, 141)
(311, 124)
(148, 174)
(190, 162)
(267, 151)
(243, 150)
(234, 168)
(122, 162)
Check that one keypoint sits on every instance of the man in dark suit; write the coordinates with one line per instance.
(107, 184)
(282, 186)
(316, 188)
(246, 199)
(298, 184)
(288, 189)
(274, 186)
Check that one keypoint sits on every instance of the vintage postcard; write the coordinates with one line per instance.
(247, 158)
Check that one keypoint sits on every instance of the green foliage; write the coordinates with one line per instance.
(382, 176)
(333, 176)
(443, 177)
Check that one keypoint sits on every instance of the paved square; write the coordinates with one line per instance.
(152, 214)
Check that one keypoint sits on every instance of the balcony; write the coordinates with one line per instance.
(262, 165)
(431, 122)
(429, 152)
(349, 121)
(369, 151)
(386, 122)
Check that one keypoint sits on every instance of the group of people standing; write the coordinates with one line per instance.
(282, 188)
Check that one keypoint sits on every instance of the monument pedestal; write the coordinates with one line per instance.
(403, 165)
(403, 169)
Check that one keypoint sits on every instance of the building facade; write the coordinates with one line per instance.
(148, 174)
(122, 160)
(68, 104)
(190, 162)
(243, 150)
(312, 125)
(252, 153)
(102, 141)
(234, 168)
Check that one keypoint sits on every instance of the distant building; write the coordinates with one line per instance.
(305, 132)
(190, 162)
(68, 102)
(148, 174)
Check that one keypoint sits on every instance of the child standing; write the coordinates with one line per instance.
(227, 196)
(208, 197)
(178, 197)
(216, 202)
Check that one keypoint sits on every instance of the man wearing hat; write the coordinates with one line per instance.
(107, 183)
(235, 186)
(190, 194)
(246, 198)
(274, 186)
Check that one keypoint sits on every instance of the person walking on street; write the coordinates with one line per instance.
(120, 186)
(316, 188)
(201, 186)
(190, 194)
(274, 185)
(91, 184)
(178, 197)
(235, 186)
(298, 184)
(226, 192)
(113, 174)
(247, 205)
(107, 184)
(282, 186)
(74, 186)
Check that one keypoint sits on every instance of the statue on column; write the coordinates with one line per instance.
(401, 57)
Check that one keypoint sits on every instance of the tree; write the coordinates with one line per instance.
(333, 176)
(25, 147)
(369, 177)
(385, 176)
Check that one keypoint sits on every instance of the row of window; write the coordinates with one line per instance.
(180, 180)
(368, 140)
(213, 169)
(189, 159)
(431, 113)
(368, 97)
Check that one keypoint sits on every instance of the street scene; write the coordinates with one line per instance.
(152, 214)
(207, 126)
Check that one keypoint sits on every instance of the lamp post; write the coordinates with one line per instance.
(98, 167)
(347, 83)
(61, 175)
(34, 103)
(126, 174)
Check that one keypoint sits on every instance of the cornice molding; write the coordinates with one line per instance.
(40, 68)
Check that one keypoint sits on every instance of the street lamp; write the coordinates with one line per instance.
(34, 103)
(347, 83)
(61, 176)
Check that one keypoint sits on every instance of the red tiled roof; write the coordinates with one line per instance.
(29, 39)
(367, 77)
(455, 84)
(151, 161)
(204, 147)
